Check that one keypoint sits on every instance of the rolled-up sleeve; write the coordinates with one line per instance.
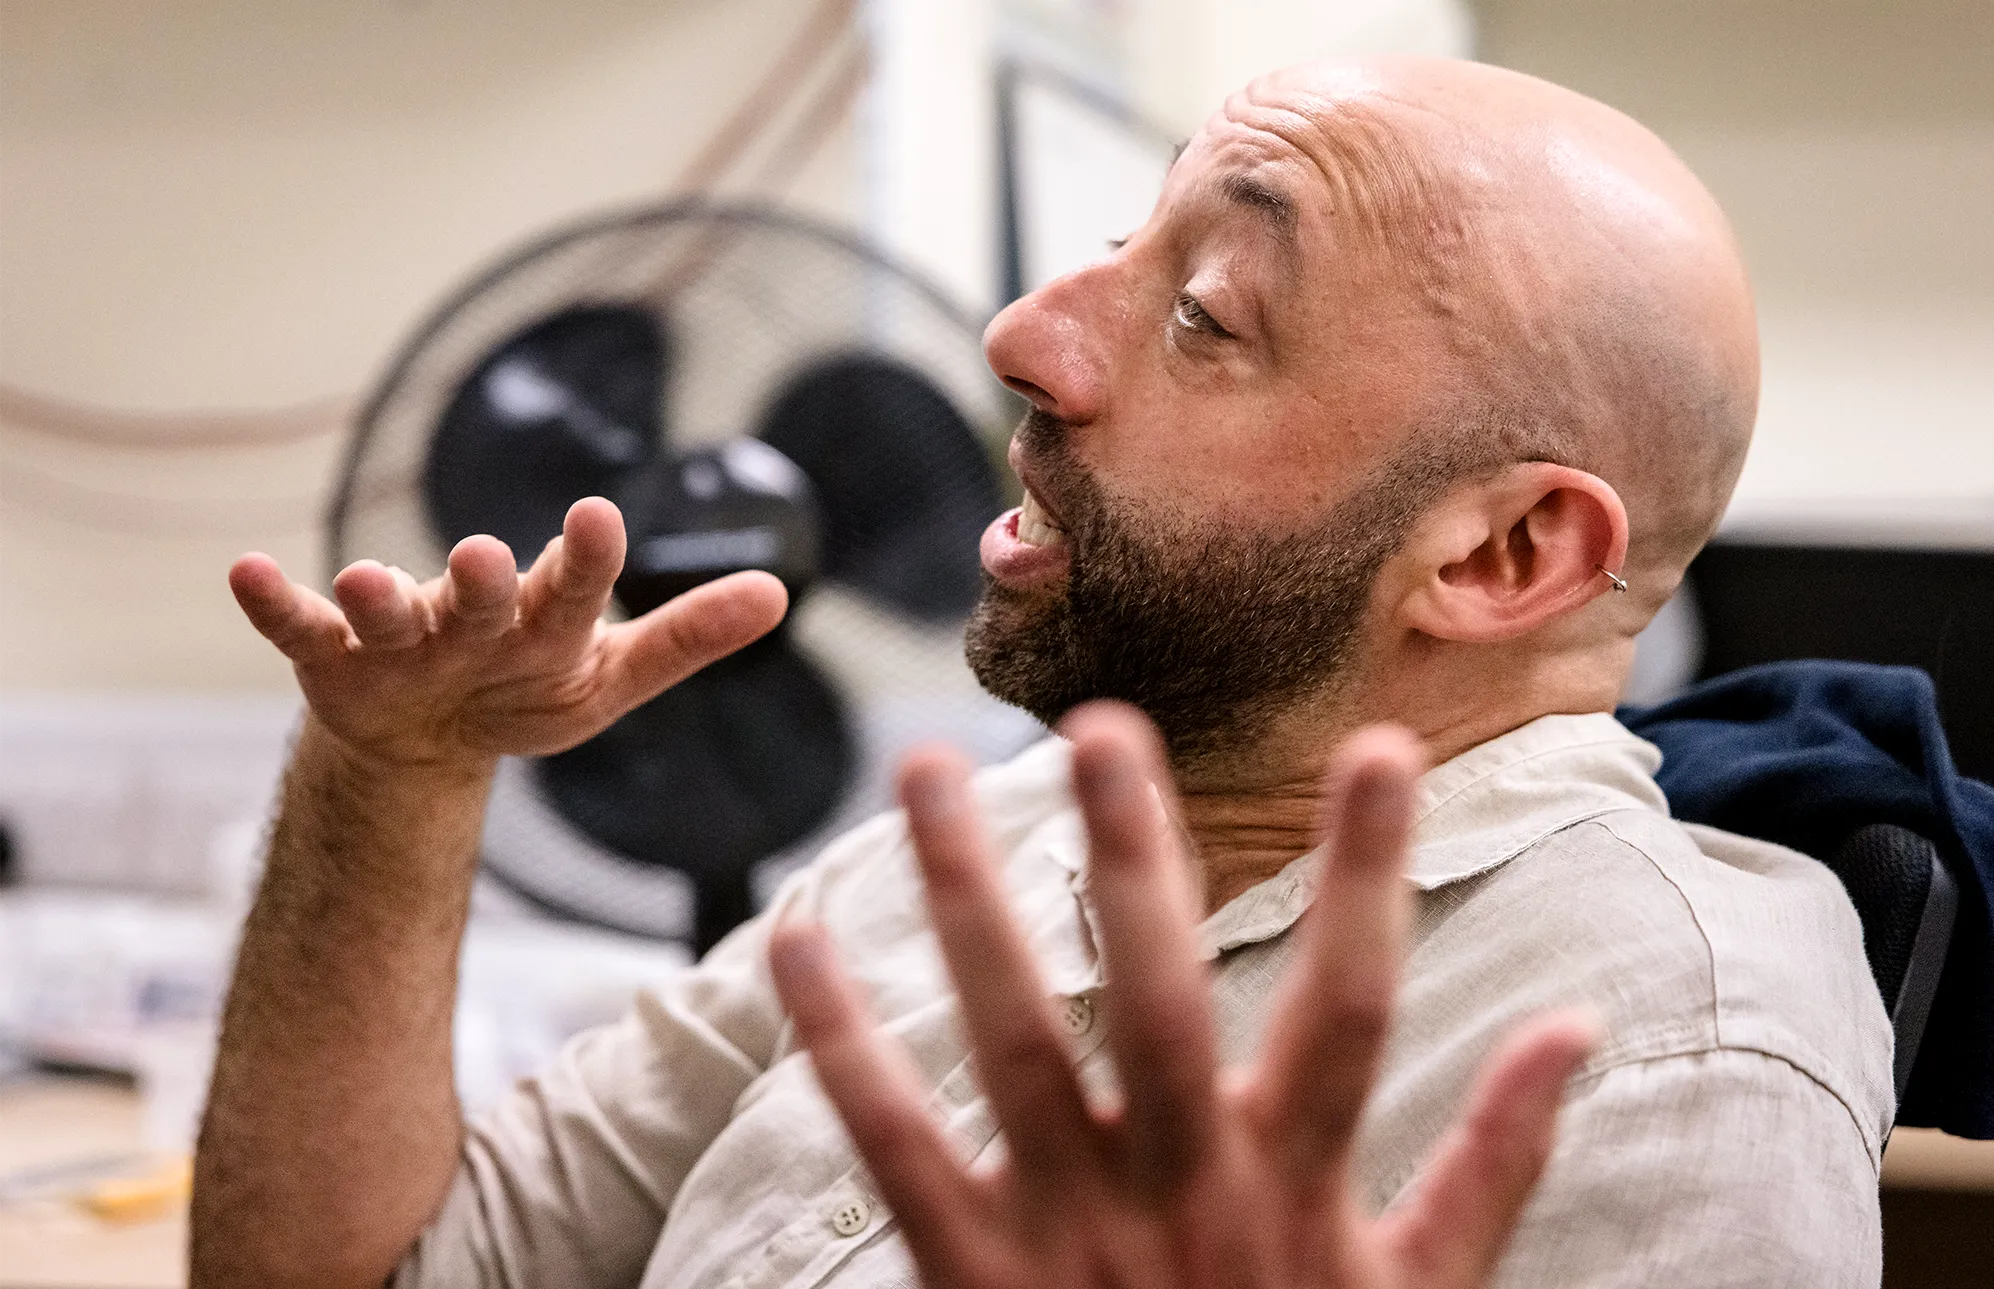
(568, 1179)
(1726, 1167)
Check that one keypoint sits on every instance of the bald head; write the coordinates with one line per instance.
(1585, 285)
(1407, 352)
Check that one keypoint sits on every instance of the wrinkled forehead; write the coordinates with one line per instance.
(1339, 148)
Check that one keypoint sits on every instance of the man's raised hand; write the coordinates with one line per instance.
(1199, 1177)
(332, 1128)
(484, 661)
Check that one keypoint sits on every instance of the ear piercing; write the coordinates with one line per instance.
(1619, 584)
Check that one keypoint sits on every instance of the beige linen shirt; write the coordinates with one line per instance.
(1728, 1131)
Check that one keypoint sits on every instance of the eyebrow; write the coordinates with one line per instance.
(1276, 206)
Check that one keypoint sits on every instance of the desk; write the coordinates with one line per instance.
(1925, 1159)
(55, 1245)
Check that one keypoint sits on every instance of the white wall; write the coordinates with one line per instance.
(237, 205)
(1187, 55)
(1852, 143)
(929, 150)
(230, 205)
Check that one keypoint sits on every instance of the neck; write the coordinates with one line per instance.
(1251, 811)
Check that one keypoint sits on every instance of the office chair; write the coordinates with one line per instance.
(1906, 901)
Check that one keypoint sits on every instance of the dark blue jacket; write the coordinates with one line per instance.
(1804, 754)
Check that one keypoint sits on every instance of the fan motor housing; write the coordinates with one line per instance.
(706, 513)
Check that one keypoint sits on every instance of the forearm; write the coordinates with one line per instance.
(332, 1128)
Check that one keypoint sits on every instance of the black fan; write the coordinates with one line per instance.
(755, 391)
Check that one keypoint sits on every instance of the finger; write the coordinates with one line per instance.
(1022, 1061)
(480, 593)
(1461, 1213)
(569, 585)
(1158, 1009)
(302, 623)
(878, 1094)
(644, 657)
(1334, 1010)
(379, 605)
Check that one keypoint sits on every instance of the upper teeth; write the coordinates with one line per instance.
(1035, 527)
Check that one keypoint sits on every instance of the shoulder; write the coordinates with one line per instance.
(1723, 1167)
(1688, 940)
(1788, 974)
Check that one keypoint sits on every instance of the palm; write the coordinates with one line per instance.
(519, 694)
(484, 661)
(1198, 1179)
(1238, 1220)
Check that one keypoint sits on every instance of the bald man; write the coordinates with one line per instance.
(1372, 450)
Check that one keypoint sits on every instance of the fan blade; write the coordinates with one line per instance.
(564, 409)
(903, 483)
(718, 772)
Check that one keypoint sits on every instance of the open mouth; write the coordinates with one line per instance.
(1026, 546)
(1035, 526)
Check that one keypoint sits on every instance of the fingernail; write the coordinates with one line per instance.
(932, 793)
(1591, 1023)
(1107, 773)
(796, 950)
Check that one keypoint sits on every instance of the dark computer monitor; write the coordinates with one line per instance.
(1762, 600)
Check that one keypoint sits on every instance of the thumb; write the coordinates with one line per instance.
(644, 657)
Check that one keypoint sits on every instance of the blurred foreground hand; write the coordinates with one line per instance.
(1199, 1178)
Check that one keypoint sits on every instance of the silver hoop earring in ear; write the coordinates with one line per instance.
(1618, 583)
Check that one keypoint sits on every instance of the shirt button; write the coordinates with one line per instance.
(1077, 1014)
(850, 1217)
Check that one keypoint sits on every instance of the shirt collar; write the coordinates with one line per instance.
(1498, 799)
(1471, 815)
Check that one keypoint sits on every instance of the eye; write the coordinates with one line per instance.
(1116, 243)
(1191, 316)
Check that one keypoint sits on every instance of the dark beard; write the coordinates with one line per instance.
(1211, 628)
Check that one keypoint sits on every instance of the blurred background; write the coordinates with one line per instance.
(349, 279)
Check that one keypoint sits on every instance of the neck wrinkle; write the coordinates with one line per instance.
(1248, 814)
(1236, 840)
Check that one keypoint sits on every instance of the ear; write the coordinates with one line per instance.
(1499, 558)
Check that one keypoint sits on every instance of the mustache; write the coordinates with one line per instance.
(1065, 485)
(1046, 444)
(1041, 434)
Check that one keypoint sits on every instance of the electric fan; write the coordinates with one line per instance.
(755, 390)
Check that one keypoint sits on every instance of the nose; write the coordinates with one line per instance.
(1051, 346)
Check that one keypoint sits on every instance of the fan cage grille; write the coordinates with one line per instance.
(754, 295)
